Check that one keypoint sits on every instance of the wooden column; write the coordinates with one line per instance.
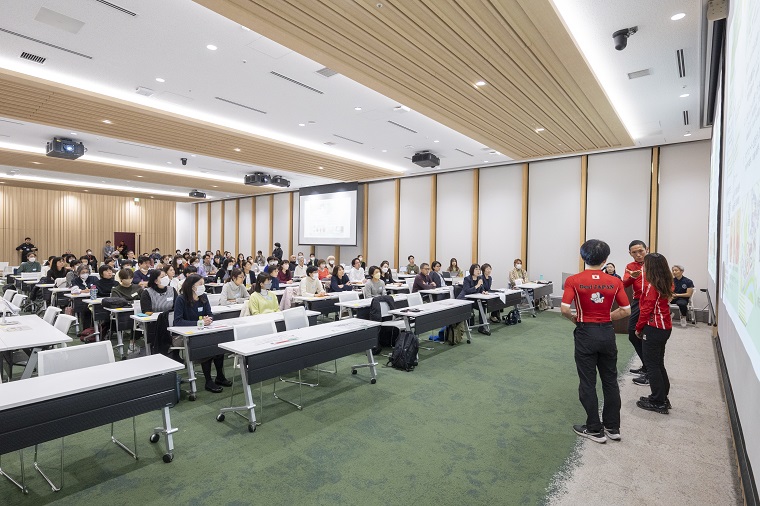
(208, 225)
(524, 235)
(290, 223)
(584, 196)
(271, 223)
(654, 199)
(475, 195)
(197, 246)
(396, 220)
(223, 204)
(433, 215)
(365, 224)
(237, 225)
(253, 225)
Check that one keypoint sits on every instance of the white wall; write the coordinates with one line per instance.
(246, 226)
(229, 226)
(203, 227)
(499, 219)
(454, 219)
(216, 226)
(262, 226)
(185, 221)
(281, 223)
(684, 206)
(414, 233)
(617, 200)
(381, 213)
(554, 200)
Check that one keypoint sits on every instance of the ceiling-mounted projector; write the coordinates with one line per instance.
(426, 159)
(65, 148)
(257, 179)
(280, 181)
(198, 195)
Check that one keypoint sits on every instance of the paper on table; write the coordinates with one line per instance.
(19, 328)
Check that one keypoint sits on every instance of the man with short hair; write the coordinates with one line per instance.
(25, 248)
(313, 262)
(423, 281)
(595, 348)
(141, 273)
(131, 255)
(684, 289)
(411, 268)
(634, 277)
(92, 261)
(435, 275)
(156, 255)
(107, 250)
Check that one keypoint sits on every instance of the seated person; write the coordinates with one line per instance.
(249, 275)
(436, 276)
(259, 258)
(82, 279)
(292, 264)
(454, 269)
(487, 283)
(271, 265)
(684, 289)
(158, 297)
(223, 274)
(196, 262)
(31, 264)
(518, 275)
(208, 265)
(330, 262)
(374, 286)
(323, 271)
(141, 274)
(339, 281)
(411, 267)
(58, 269)
(233, 291)
(285, 275)
(356, 272)
(385, 273)
(262, 300)
(91, 260)
(310, 284)
(423, 281)
(125, 289)
(189, 307)
(610, 269)
(300, 270)
(313, 260)
(106, 282)
(473, 284)
(361, 260)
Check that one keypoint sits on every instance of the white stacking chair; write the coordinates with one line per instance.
(18, 299)
(296, 318)
(68, 359)
(63, 322)
(346, 297)
(3, 265)
(214, 298)
(409, 283)
(414, 299)
(8, 295)
(50, 314)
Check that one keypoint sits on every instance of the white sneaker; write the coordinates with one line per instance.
(683, 322)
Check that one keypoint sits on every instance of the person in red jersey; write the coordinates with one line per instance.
(634, 277)
(595, 348)
(653, 327)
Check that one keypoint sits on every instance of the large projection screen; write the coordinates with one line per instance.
(327, 215)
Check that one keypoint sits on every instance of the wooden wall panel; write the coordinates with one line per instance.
(60, 221)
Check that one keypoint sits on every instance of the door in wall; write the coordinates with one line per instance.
(127, 237)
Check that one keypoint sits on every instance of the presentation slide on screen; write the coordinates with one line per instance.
(328, 218)
(740, 240)
(712, 225)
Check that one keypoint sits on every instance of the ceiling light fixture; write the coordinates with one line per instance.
(302, 124)
(385, 151)
(321, 168)
(160, 80)
(357, 108)
(168, 163)
(236, 149)
(107, 121)
(37, 163)
(214, 186)
(245, 28)
(539, 129)
(481, 83)
(676, 17)
(211, 47)
(138, 176)
(436, 141)
(687, 134)
(73, 133)
(684, 95)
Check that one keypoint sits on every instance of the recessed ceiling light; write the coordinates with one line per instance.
(160, 80)
(481, 83)
(168, 163)
(676, 17)
(302, 124)
(193, 156)
(211, 47)
(103, 181)
(73, 133)
(684, 95)
(138, 176)
(436, 141)
(107, 121)
(214, 186)
(357, 108)
(245, 28)
(539, 129)
(236, 149)
(485, 161)
(385, 151)
(37, 163)
(687, 134)
(151, 196)
(86, 190)
(321, 168)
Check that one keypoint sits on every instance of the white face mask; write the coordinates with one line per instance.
(84, 277)
(311, 258)
(163, 281)
(200, 290)
(31, 259)
(89, 252)
(229, 267)
(518, 266)
(332, 262)
(384, 269)
(197, 264)
(272, 263)
(314, 275)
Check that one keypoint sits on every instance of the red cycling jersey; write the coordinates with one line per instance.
(654, 310)
(594, 292)
(638, 283)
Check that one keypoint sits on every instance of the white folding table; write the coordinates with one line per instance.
(33, 332)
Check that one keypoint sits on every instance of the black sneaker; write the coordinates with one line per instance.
(613, 434)
(224, 382)
(648, 398)
(597, 437)
(640, 370)
(651, 406)
(642, 381)
(213, 387)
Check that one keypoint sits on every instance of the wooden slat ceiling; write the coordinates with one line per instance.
(31, 99)
(427, 54)
(86, 167)
(79, 189)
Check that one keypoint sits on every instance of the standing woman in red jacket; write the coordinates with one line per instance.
(653, 328)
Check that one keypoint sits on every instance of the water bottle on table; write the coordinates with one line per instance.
(200, 323)
(93, 292)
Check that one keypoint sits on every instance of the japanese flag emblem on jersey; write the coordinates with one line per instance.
(597, 298)
(595, 276)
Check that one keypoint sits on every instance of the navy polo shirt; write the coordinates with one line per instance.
(681, 285)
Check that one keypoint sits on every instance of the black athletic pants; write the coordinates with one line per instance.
(682, 305)
(635, 341)
(654, 341)
(595, 348)
(218, 362)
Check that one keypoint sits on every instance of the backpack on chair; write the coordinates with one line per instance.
(405, 350)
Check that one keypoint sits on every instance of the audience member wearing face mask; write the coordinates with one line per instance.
(374, 286)
(310, 284)
(518, 275)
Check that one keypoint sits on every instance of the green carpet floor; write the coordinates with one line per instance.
(481, 423)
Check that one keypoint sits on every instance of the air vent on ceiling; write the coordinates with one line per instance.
(465, 152)
(291, 80)
(686, 117)
(10, 32)
(402, 126)
(240, 105)
(347, 139)
(33, 57)
(680, 63)
(639, 73)
(145, 92)
(117, 154)
(118, 8)
(326, 72)
(139, 145)
(329, 143)
(9, 121)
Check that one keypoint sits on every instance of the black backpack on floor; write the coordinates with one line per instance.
(405, 350)
(512, 318)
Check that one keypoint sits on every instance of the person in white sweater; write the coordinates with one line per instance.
(233, 291)
(300, 270)
(310, 284)
(356, 273)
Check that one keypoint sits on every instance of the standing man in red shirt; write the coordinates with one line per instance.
(595, 348)
(634, 277)
(653, 328)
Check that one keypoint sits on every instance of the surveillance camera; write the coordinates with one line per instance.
(183, 160)
(620, 37)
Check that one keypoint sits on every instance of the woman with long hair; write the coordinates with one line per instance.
(653, 328)
(454, 269)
